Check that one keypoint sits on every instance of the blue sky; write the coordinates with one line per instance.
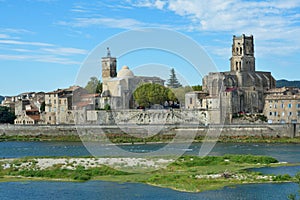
(44, 42)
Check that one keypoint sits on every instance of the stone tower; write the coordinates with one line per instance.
(109, 67)
(242, 59)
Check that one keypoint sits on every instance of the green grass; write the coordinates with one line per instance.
(180, 175)
(129, 139)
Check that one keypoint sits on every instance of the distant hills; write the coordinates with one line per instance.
(286, 83)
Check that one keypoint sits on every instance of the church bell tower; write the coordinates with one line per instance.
(109, 66)
(242, 59)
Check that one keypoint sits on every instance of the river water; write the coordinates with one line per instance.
(108, 190)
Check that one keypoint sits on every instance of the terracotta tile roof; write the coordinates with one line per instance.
(35, 117)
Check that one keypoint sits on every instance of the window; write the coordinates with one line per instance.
(59, 101)
(275, 113)
(282, 105)
(49, 101)
(275, 105)
(270, 105)
(282, 114)
(290, 113)
(298, 105)
(54, 101)
(298, 113)
(49, 118)
(191, 100)
(270, 113)
(290, 105)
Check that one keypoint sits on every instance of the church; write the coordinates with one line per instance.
(118, 87)
(242, 89)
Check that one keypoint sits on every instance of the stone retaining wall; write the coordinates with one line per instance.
(275, 130)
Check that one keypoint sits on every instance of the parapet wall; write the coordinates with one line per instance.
(267, 130)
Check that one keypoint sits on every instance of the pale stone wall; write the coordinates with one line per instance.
(274, 130)
(146, 117)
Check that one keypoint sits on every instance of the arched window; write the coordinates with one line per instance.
(241, 50)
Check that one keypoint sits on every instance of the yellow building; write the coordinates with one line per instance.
(282, 105)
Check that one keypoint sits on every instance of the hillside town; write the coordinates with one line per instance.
(224, 95)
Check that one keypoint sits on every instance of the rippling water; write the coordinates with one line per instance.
(282, 152)
(127, 191)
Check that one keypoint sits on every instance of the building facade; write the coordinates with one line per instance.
(282, 105)
(118, 87)
(242, 89)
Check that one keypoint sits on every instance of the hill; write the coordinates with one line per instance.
(286, 83)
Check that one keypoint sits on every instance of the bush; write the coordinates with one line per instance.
(284, 177)
(107, 107)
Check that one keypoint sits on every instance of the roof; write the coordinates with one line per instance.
(83, 104)
(90, 95)
(282, 97)
(35, 117)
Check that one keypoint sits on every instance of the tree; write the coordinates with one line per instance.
(149, 94)
(94, 86)
(173, 81)
(180, 93)
(197, 87)
(43, 105)
(6, 116)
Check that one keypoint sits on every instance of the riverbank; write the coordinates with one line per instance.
(128, 139)
(188, 173)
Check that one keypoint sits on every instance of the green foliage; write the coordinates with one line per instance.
(251, 159)
(6, 115)
(173, 81)
(94, 86)
(284, 177)
(197, 87)
(149, 94)
(180, 92)
(43, 105)
(79, 173)
(190, 161)
(107, 107)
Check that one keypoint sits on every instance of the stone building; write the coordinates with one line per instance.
(59, 105)
(118, 87)
(282, 105)
(242, 89)
(28, 107)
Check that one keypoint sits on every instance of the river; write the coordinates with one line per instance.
(108, 190)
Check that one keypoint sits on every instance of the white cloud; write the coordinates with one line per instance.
(125, 23)
(39, 58)
(16, 42)
(65, 51)
(4, 36)
(267, 20)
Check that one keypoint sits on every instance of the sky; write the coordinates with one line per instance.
(44, 43)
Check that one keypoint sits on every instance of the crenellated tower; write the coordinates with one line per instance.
(242, 59)
(109, 66)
